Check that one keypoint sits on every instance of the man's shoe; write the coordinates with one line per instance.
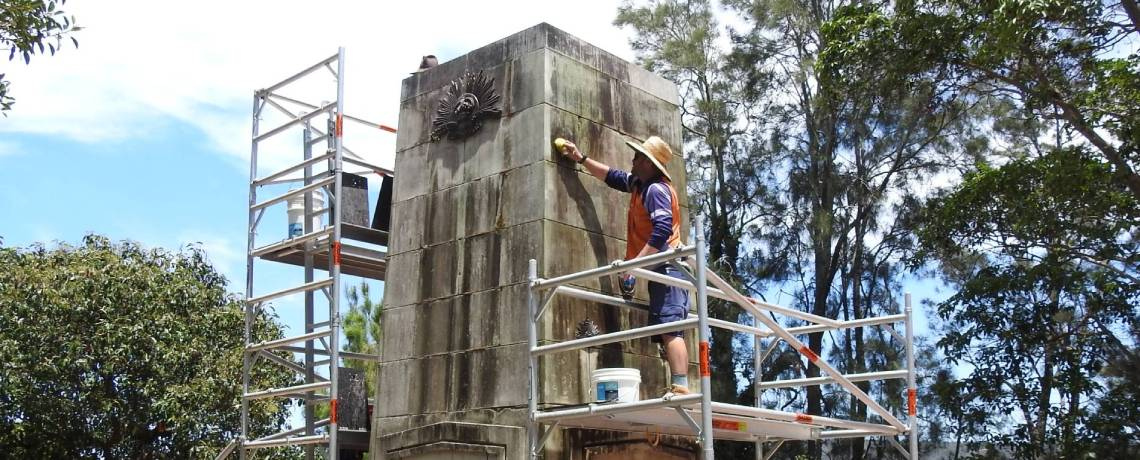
(677, 390)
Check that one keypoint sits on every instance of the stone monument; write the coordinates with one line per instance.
(479, 191)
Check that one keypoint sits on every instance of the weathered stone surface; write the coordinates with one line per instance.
(529, 77)
(582, 90)
(453, 372)
(481, 201)
(402, 283)
(515, 141)
(528, 182)
(576, 198)
(406, 235)
(642, 115)
(456, 441)
(572, 250)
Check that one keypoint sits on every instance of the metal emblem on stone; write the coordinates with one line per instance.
(586, 328)
(469, 100)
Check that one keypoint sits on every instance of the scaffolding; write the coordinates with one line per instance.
(339, 248)
(697, 414)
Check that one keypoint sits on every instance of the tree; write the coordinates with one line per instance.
(855, 138)
(26, 26)
(1060, 60)
(110, 350)
(1042, 250)
(362, 332)
(678, 39)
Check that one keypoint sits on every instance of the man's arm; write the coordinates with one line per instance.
(596, 168)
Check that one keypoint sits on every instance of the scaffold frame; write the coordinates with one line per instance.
(323, 249)
(697, 414)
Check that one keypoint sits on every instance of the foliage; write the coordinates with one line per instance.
(26, 26)
(362, 332)
(1044, 256)
(111, 350)
(678, 40)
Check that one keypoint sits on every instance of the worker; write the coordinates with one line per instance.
(653, 225)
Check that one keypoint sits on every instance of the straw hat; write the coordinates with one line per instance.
(656, 150)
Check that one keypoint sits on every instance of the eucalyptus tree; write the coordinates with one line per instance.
(682, 41)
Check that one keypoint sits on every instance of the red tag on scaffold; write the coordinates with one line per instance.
(336, 253)
(811, 356)
(729, 425)
(912, 401)
(803, 418)
(332, 412)
(705, 359)
(339, 125)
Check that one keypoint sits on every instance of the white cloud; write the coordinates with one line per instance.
(199, 62)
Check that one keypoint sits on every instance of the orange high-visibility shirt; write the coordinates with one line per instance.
(639, 225)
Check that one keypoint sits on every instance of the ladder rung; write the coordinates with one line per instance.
(306, 388)
(291, 242)
(278, 174)
(292, 193)
(293, 441)
(284, 292)
(286, 341)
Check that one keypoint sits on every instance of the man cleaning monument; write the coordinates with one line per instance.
(653, 225)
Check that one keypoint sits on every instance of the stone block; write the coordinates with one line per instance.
(577, 198)
(526, 181)
(529, 77)
(600, 142)
(482, 257)
(439, 269)
(415, 386)
(520, 244)
(411, 165)
(582, 90)
(407, 222)
(399, 340)
(490, 377)
(515, 141)
(574, 250)
(443, 216)
(415, 120)
(653, 84)
(451, 440)
(642, 115)
(481, 205)
(403, 279)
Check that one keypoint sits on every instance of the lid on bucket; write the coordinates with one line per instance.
(617, 372)
(298, 201)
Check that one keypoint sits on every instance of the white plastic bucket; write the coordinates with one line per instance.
(616, 384)
(297, 213)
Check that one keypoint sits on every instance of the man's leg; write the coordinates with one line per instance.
(676, 354)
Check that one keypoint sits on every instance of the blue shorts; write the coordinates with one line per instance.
(667, 303)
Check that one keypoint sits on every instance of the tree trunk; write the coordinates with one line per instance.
(1133, 13)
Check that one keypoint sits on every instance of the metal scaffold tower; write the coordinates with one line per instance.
(336, 249)
(697, 414)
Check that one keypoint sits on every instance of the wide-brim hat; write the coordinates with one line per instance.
(657, 151)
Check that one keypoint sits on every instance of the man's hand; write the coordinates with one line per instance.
(596, 169)
(569, 150)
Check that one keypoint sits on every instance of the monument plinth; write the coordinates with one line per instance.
(472, 204)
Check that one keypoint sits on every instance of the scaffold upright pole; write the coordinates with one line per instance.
(532, 361)
(912, 387)
(335, 255)
(703, 341)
